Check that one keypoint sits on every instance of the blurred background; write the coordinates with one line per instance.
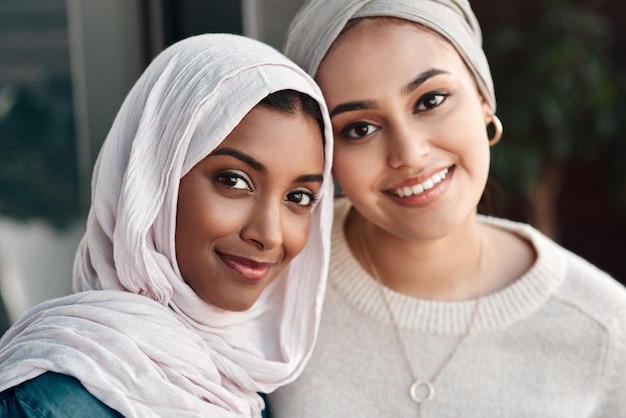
(66, 66)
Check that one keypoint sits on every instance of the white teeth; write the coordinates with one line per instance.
(417, 189)
(420, 188)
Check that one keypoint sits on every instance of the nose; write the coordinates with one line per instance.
(264, 225)
(407, 145)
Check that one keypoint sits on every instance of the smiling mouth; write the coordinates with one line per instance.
(421, 187)
(248, 269)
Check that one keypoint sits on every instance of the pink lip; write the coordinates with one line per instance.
(245, 267)
(425, 198)
(417, 179)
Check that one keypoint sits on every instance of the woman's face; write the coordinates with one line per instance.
(411, 147)
(244, 210)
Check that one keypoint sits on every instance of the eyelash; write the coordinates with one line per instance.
(347, 132)
(313, 199)
(420, 106)
(440, 98)
(230, 179)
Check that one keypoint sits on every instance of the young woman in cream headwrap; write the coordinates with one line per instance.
(202, 269)
(431, 309)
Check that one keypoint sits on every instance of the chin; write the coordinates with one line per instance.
(240, 307)
(235, 298)
(235, 305)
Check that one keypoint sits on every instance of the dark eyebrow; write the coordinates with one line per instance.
(242, 157)
(352, 106)
(370, 104)
(421, 79)
(310, 178)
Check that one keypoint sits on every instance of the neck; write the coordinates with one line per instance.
(447, 268)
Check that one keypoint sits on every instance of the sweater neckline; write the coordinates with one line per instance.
(497, 310)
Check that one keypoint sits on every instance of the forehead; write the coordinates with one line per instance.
(379, 54)
(276, 136)
(368, 23)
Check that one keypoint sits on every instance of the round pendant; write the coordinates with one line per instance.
(422, 391)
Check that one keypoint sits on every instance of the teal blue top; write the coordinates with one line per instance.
(52, 395)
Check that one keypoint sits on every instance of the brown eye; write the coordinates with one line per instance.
(430, 101)
(233, 181)
(301, 198)
(358, 130)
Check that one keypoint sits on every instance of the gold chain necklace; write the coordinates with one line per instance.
(421, 390)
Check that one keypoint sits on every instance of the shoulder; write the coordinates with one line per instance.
(52, 395)
(575, 282)
(595, 292)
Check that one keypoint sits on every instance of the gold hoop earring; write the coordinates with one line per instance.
(497, 128)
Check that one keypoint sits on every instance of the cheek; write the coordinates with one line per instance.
(295, 234)
(200, 221)
(480, 150)
(467, 138)
(354, 166)
(195, 228)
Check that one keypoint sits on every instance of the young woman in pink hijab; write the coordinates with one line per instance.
(433, 310)
(201, 273)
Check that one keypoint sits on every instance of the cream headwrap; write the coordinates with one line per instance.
(137, 336)
(319, 22)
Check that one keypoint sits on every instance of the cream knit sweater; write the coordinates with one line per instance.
(552, 344)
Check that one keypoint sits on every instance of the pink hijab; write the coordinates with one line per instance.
(136, 335)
